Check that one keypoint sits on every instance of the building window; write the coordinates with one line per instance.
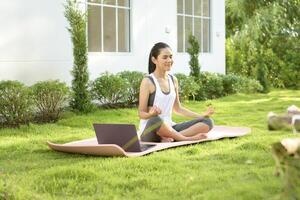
(109, 25)
(193, 17)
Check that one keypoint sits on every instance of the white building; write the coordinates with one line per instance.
(35, 44)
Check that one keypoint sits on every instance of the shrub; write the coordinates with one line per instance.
(187, 86)
(50, 98)
(234, 84)
(231, 84)
(110, 90)
(133, 79)
(249, 85)
(211, 86)
(15, 104)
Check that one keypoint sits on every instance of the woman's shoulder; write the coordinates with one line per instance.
(147, 84)
(147, 80)
(174, 79)
(173, 76)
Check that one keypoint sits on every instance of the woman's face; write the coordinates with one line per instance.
(164, 60)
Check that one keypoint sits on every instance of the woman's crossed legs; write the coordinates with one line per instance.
(156, 130)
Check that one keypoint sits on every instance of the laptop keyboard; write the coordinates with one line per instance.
(145, 147)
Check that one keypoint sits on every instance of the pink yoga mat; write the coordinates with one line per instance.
(91, 146)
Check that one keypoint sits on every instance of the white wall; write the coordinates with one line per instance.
(35, 45)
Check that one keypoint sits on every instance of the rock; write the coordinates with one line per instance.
(291, 145)
(277, 122)
(296, 123)
(293, 110)
(286, 154)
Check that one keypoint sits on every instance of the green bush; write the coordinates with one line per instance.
(234, 84)
(211, 86)
(122, 89)
(187, 86)
(231, 84)
(50, 98)
(249, 85)
(15, 104)
(214, 85)
(110, 90)
(133, 79)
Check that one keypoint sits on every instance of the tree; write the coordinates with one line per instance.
(262, 76)
(81, 100)
(194, 51)
(268, 31)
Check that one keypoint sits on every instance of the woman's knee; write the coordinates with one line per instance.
(153, 125)
(209, 122)
(155, 120)
(165, 130)
(205, 126)
(202, 127)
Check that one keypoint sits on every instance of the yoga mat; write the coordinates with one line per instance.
(91, 146)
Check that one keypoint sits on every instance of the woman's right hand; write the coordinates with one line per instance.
(154, 111)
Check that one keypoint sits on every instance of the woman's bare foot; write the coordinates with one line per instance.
(200, 136)
(166, 139)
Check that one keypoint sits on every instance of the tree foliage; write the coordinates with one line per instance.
(194, 51)
(264, 34)
(81, 100)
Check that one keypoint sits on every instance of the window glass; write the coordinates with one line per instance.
(206, 33)
(188, 7)
(180, 6)
(109, 2)
(124, 3)
(197, 30)
(123, 26)
(188, 30)
(109, 29)
(197, 7)
(180, 33)
(206, 11)
(94, 28)
(115, 30)
(195, 19)
(94, 1)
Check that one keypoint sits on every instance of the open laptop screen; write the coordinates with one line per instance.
(123, 135)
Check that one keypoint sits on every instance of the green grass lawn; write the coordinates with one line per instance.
(240, 168)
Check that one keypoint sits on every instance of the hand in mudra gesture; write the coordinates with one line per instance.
(154, 111)
(210, 111)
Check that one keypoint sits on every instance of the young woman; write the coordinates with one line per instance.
(159, 97)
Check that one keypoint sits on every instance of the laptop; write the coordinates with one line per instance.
(123, 135)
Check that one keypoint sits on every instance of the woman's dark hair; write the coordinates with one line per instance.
(154, 53)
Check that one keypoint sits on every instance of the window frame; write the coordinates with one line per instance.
(117, 28)
(193, 16)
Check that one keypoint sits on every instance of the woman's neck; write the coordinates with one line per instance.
(160, 74)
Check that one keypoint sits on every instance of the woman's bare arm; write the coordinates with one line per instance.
(179, 109)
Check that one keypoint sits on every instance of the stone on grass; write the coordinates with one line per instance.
(287, 156)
